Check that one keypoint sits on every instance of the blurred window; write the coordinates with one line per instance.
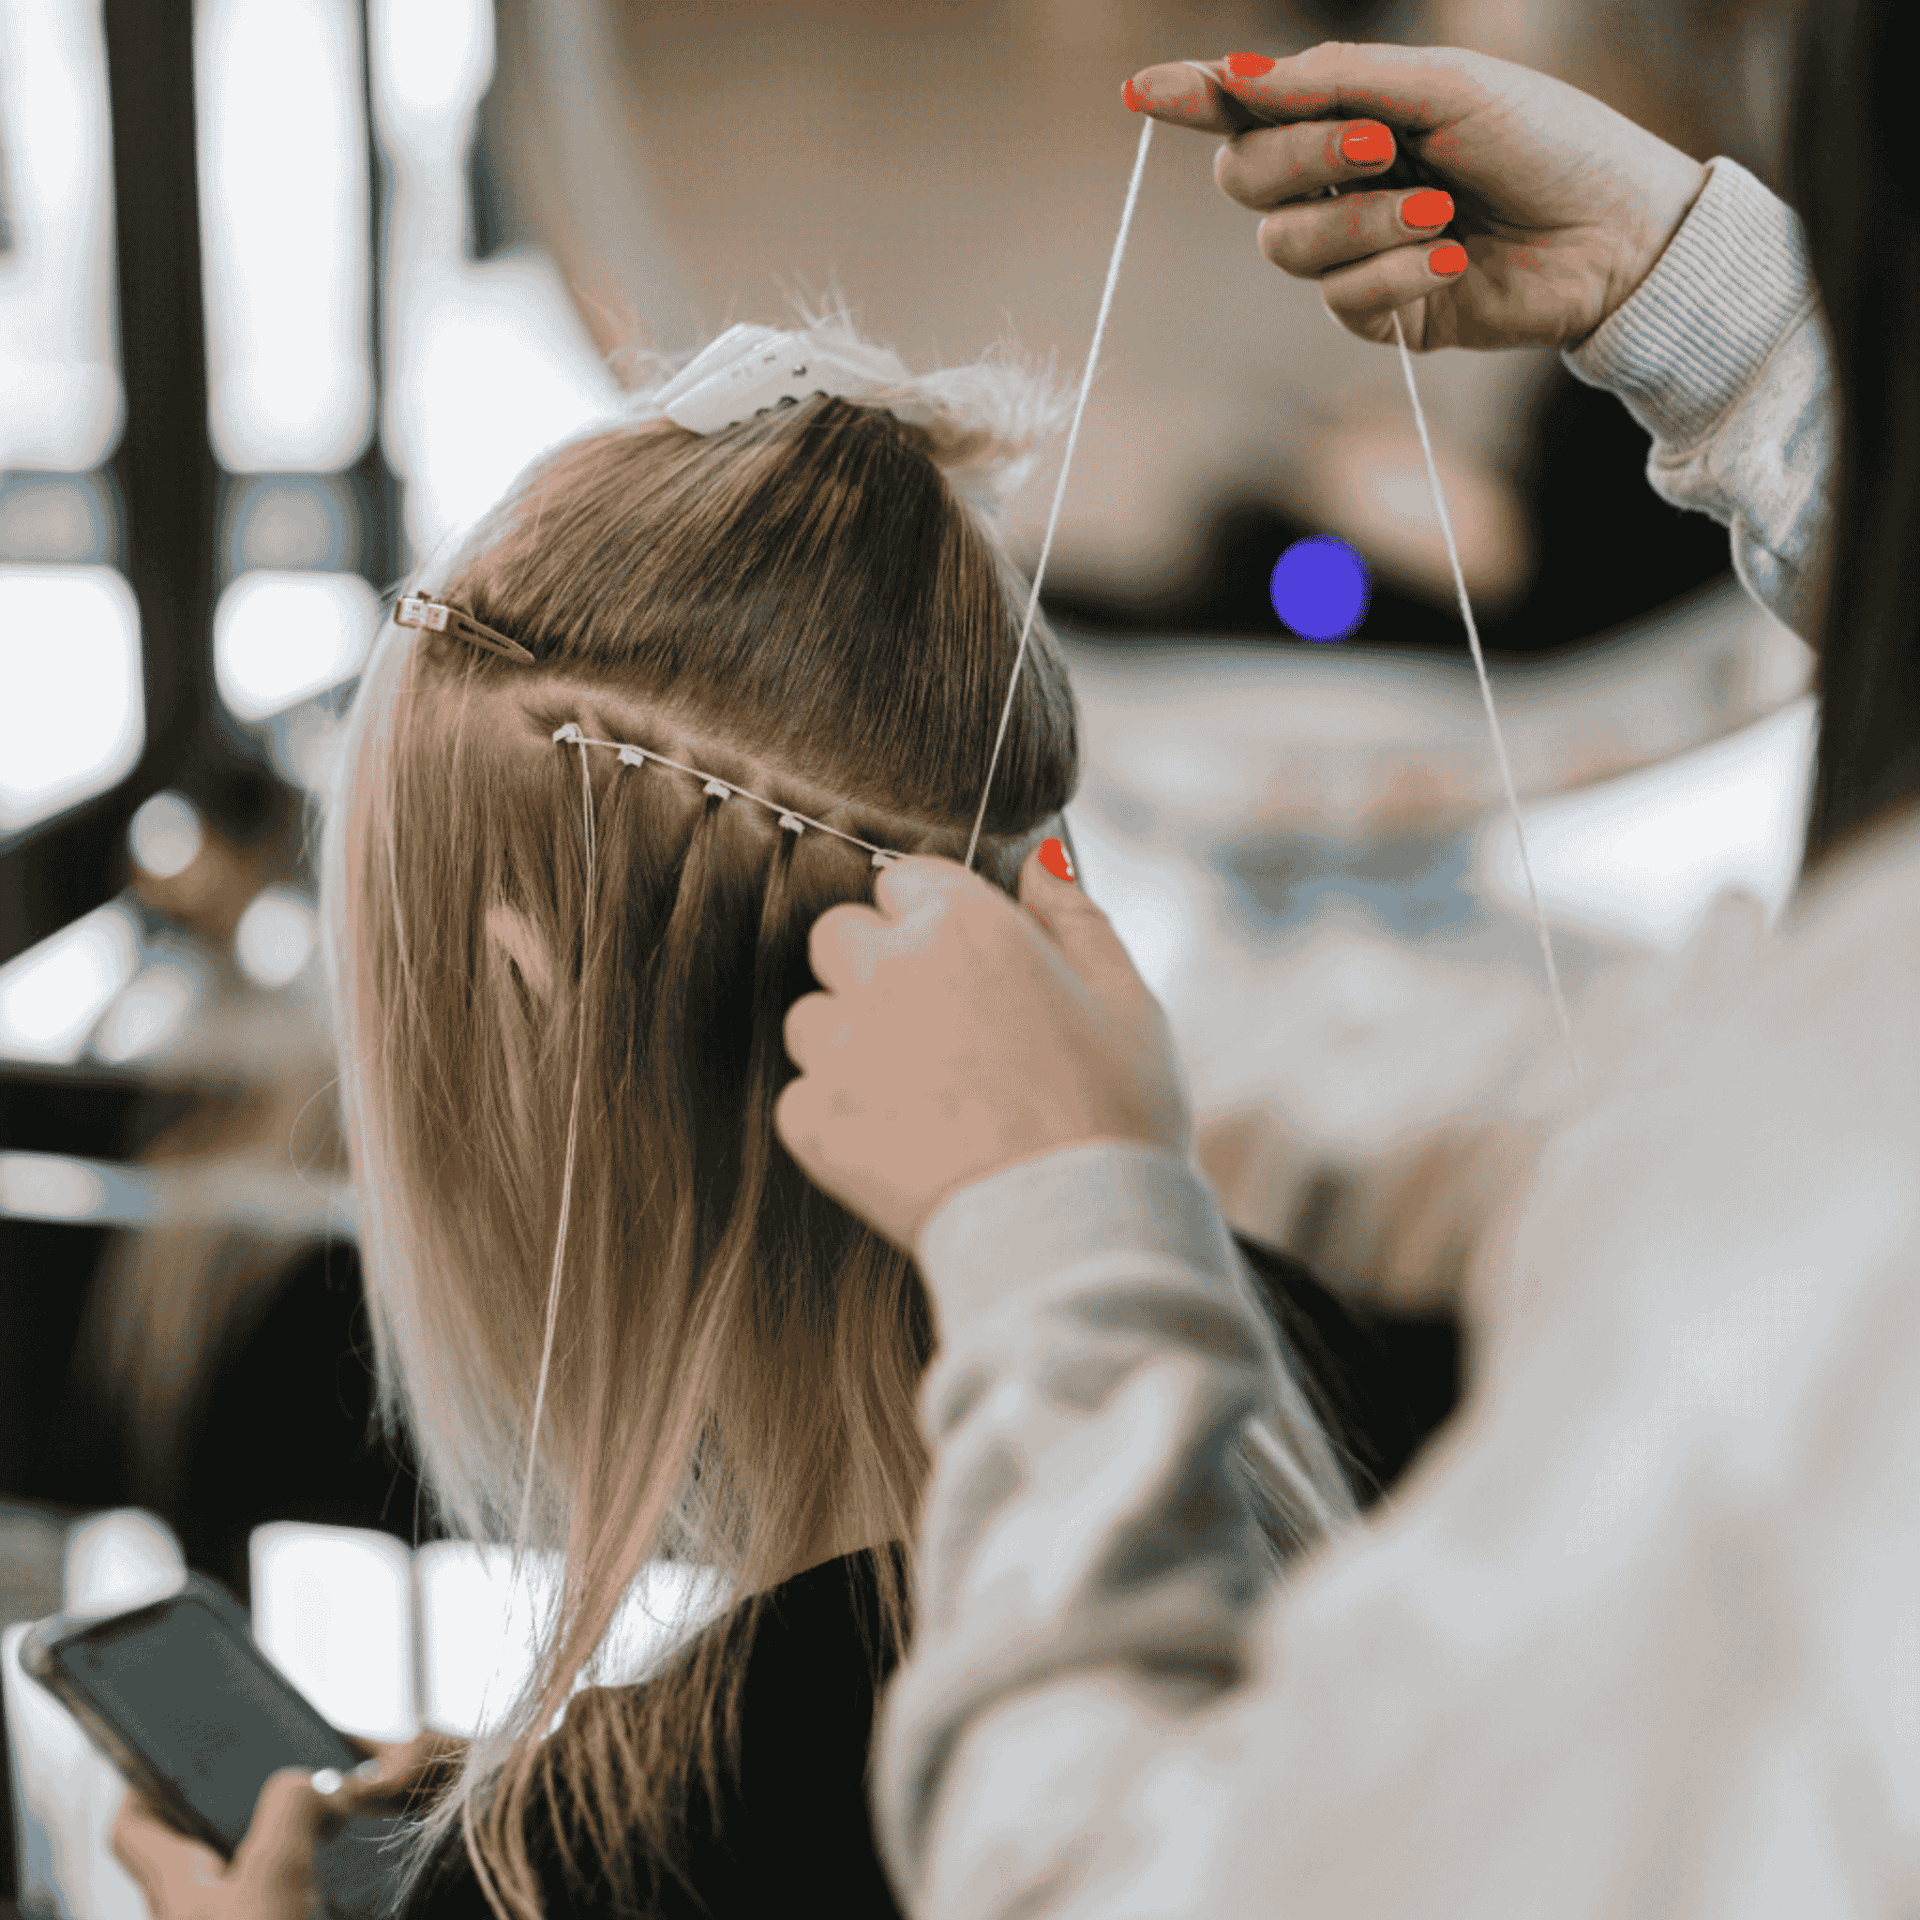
(60, 398)
(333, 1610)
(487, 364)
(282, 637)
(284, 210)
(72, 721)
(51, 995)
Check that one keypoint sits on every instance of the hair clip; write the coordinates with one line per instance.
(633, 756)
(749, 369)
(719, 789)
(570, 733)
(793, 823)
(435, 616)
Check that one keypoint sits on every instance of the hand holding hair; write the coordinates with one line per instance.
(958, 1033)
(1490, 205)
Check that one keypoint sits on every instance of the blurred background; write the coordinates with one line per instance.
(290, 289)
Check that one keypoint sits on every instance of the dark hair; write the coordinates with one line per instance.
(1852, 176)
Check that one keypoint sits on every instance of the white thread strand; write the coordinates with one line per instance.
(1060, 486)
(566, 1178)
(1493, 719)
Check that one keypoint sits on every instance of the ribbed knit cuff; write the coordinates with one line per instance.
(1106, 1210)
(1697, 331)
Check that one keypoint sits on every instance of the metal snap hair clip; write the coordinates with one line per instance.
(435, 616)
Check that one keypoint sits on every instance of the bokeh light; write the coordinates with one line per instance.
(1320, 588)
(166, 836)
(276, 935)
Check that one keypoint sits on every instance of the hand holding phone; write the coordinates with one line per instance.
(271, 1874)
(220, 1749)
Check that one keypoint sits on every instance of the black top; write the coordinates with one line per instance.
(794, 1831)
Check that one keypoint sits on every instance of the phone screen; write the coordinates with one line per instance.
(203, 1706)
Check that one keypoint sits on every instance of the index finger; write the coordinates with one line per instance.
(1413, 89)
(1188, 93)
(288, 1820)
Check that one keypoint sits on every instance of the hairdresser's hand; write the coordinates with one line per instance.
(270, 1876)
(959, 1033)
(1490, 205)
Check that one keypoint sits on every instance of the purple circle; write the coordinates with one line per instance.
(1320, 588)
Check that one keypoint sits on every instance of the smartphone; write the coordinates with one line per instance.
(178, 1697)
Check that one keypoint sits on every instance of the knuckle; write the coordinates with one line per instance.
(1286, 244)
(802, 1028)
(796, 1120)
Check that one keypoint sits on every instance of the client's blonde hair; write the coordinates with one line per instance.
(807, 605)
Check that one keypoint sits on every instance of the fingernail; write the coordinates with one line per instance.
(374, 1769)
(1134, 98)
(1054, 857)
(1427, 208)
(327, 1782)
(1248, 66)
(1448, 260)
(1366, 143)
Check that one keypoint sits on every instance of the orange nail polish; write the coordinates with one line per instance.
(1427, 208)
(1053, 856)
(1248, 66)
(1448, 260)
(1367, 143)
(1134, 98)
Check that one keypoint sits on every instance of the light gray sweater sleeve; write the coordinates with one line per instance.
(1722, 355)
(1101, 1357)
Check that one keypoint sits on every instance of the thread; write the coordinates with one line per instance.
(566, 1178)
(1060, 486)
(1493, 718)
(1453, 561)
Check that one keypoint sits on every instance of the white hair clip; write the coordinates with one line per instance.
(749, 369)
(571, 734)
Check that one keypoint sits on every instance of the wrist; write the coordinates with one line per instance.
(1074, 1209)
(1676, 186)
(1732, 283)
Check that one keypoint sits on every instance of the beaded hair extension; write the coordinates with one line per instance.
(632, 756)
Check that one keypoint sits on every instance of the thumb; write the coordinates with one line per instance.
(1083, 934)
